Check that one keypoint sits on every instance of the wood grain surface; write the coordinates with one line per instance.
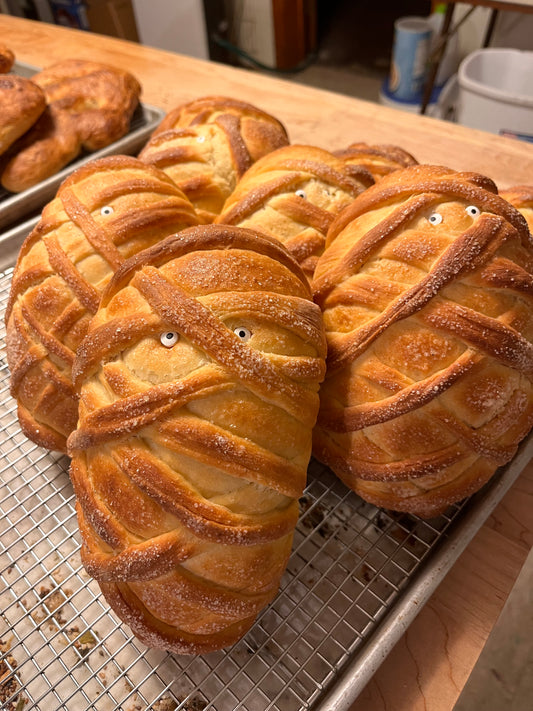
(432, 661)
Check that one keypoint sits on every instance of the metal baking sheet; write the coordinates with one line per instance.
(17, 206)
(356, 578)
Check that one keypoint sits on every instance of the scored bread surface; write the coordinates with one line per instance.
(199, 385)
(293, 195)
(427, 292)
(103, 213)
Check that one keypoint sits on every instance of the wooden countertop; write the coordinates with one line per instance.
(432, 661)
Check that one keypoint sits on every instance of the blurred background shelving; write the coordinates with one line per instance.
(341, 45)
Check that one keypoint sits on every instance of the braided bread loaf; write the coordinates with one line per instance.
(378, 160)
(427, 292)
(207, 145)
(521, 196)
(103, 213)
(199, 378)
(293, 194)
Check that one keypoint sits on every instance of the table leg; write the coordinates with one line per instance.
(436, 60)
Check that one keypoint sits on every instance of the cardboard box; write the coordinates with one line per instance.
(112, 17)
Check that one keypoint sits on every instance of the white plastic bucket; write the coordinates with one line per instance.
(496, 92)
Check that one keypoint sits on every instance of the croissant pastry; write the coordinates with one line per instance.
(427, 292)
(521, 196)
(105, 212)
(199, 384)
(207, 145)
(379, 160)
(293, 194)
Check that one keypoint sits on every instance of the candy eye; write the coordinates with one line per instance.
(301, 194)
(107, 210)
(243, 333)
(473, 211)
(169, 338)
(200, 139)
(435, 218)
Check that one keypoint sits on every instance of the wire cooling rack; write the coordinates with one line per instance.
(353, 567)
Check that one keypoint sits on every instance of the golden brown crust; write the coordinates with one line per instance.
(7, 59)
(89, 106)
(379, 160)
(205, 146)
(103, 213)
(188, 461)
(521, 197)
(427, 292)
(22, 103)
(293, 195)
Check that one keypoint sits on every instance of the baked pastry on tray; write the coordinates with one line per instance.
(293, 194)
(198, 384)
(106, 211)
(7, 59)
(379, 160)
(21, 102)
(426, 286)
(205, 146)
(89, 106)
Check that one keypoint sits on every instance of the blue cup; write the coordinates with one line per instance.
(410, 57)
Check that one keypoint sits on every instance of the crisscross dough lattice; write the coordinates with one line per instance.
(378, 160)
(293, 194)
(427, 291)
(199, 390)
(103, 213)
(205, 146)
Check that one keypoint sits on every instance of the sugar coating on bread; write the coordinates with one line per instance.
(379, 159)
(103, 213)
(293, 194)
(89, 106)
(205, 146)
(427, 292)
(199, 385)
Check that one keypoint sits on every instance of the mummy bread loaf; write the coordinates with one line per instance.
(207, 145)
(103, 213)
(521, 196)
(378, 160)
(199, 389)
(427, 291)
(293, 194)
(22, 103)
(89, 106)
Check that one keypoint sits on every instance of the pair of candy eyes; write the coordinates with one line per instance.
(108, 210)
(170, 338)
(436, 218)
